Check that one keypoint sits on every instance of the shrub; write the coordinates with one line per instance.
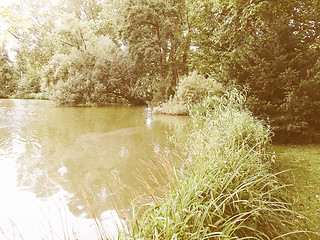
(78, 90)
(225, 189)
(195, 87)
(172, 107)
(191, 90)
(7, 76)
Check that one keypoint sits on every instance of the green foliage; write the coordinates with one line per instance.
(138, 49)
(7, 78)
(110, 20)
(172, 107)
(79, 52)
(195, 87)
(84, 9)
(301, 110)
(191, 90)
(59, 50)
(240, 129)
(271, 47)
(225, 189)
(157, 36)
(35, 47)
(10, 24)
(153, 88)
(78, 90)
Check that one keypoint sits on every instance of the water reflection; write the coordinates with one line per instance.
(64, 153)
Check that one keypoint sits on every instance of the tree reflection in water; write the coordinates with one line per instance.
(91, 150)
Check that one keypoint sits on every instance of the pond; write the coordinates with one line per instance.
(56, 163)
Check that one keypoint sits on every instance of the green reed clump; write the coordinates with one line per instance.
(225, 189)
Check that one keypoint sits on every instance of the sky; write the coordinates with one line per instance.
(6, 38)
(5, 3)
(3, 27)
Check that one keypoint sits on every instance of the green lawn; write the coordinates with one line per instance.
(303, 161)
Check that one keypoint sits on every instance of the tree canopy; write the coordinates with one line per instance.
(84, 52)
(6, 74)
(270, 48)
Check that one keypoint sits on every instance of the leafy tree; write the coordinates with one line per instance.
(35, 46)
(110, 20)
(83, 9)
(60, 47)
(11, 24)
(157, 35)
(7, 80)
(269, 47)
(96, 61)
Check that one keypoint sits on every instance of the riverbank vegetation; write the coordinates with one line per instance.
(192, 89)
(182, 56)
(226, 188)
(138, 52)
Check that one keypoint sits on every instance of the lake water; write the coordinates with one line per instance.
(56, 163)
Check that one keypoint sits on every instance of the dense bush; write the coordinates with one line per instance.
(172, 107)
(191, 90)
(272, 49)
(225, 189)
(297, 119)
(78, 90)
(195, 87)
(7, 81)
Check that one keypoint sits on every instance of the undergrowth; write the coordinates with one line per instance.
(192, 89)
(225, 189)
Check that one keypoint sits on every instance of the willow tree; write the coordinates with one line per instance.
(272, 49)
(87, 68)
(33, 48)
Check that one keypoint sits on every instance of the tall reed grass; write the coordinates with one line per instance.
(225, 189)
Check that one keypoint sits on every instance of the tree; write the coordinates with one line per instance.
(84, 9)
(88, 68)
(109, 20)
(143, 48)
(34, 45)
(11, 23)
(268, 47)
(157, 33)
(7, 80)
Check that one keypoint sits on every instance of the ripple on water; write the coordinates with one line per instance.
(49, 156)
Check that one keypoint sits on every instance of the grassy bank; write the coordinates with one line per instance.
(303, 163)
(226, 188)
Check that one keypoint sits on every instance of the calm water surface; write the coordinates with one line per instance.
(53, 158)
